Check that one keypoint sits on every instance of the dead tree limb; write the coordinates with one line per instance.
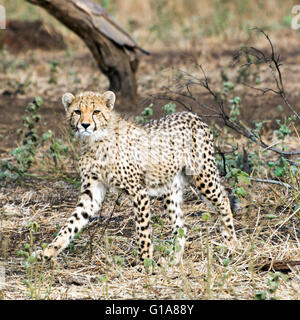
(114, 50)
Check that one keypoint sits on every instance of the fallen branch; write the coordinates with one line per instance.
(282, 266)
(274, 182)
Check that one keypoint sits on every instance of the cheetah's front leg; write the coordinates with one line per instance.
(141, 203)
(92, 195)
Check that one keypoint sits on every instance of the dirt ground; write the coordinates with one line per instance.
(99, 265)
(77, 71)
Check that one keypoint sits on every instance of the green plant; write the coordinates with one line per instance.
(284, 129)
(24, 154)
(57, 149)
(168, 248)
(146, 113)
(72, 243)
(279, 167)
(30, 141)
(235, 109)
(236, 177)
(169, 108)
(53, 66)
(35, 274)
(249, 71)
(227, 87)
(158, 222)
(273, 285)
(149, 265)
(258, 128)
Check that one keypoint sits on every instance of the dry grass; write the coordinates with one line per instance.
(100, 263)
(100, 266)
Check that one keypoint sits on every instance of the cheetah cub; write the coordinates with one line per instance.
(157, 159)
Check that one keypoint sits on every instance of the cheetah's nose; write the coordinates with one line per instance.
(85, 125)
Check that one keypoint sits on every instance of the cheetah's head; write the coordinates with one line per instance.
(88, 112)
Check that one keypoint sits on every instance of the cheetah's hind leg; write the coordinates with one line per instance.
(172, 206)
(210, 187)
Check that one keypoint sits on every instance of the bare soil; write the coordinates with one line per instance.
(91, 269)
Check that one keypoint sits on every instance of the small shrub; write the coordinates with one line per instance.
(36, 278)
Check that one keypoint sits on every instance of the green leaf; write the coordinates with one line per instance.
(180, 233)
(228, 86)
(270, 216)
(169, 108)
(226, 262)
(32, 259)
(236, 100)
(33, 226)
(261, 295)
(243, 177)
(205, 216)
(279, 172)
(47, 135)
(240, 191)
(148, 262)
(22, 253)
(39, 101)
(118, 260)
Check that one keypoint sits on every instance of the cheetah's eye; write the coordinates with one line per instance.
(96, 112)
(77, 112)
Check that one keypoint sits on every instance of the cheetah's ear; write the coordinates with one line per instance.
(67, 99)
(110, 99)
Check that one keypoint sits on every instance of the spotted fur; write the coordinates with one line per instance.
(157, 159)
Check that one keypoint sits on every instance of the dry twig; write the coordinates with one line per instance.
(219, 110)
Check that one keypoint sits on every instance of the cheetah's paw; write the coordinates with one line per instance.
(233, 244)
(50, 253)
